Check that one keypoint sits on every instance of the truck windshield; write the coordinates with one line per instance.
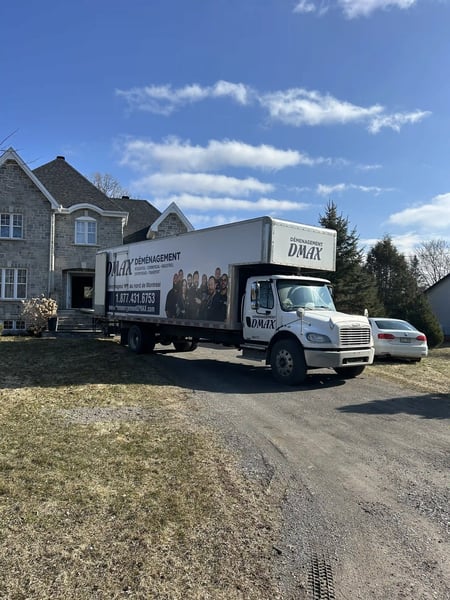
(295, 294)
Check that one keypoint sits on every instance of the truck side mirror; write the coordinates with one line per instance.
(300, 312)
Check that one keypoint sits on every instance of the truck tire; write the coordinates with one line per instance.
(139, 341)
(185, 345)
(124, 337)
(349, 372)
(288, 362)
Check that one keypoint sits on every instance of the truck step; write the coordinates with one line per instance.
(254, 351)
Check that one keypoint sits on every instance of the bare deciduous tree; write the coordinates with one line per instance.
(433, 261)
(109, 185)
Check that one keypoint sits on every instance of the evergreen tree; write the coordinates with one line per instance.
(399, 290)
(395, 283)
(354, 287)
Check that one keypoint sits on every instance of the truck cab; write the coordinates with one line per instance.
(293, 322)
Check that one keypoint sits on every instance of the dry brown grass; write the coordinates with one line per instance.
(107, 492)
(430, 375)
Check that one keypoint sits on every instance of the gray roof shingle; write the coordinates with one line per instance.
(141, 214)
(70, 187)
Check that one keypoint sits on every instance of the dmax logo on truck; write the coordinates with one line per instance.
(119, 268)
(262, 323)
(311, 253)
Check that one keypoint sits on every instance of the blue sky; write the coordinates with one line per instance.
(241, 108)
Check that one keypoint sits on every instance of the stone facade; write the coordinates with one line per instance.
(19, 196)
(171, 225)
(41, 254)
(73, 259)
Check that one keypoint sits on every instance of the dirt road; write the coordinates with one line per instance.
(359, 469)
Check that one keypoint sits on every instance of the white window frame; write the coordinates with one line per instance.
(13, 283)
(87, 234)
(14, 223)
(16, 325)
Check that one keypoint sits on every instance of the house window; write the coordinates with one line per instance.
(11, 325)
(13, 284)
(86, 231)
(11, 226)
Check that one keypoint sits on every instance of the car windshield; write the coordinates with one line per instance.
(296, 294)
(398, 325)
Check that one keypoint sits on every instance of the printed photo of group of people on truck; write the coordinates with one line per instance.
(190, 298)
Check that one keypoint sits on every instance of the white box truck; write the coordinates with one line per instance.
(240, 285)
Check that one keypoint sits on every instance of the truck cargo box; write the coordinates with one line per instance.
(141, 278)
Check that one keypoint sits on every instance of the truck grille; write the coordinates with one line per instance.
(354, 336)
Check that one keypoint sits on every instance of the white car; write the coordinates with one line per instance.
(398, 339)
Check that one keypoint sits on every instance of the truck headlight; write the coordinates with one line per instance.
(318, 338)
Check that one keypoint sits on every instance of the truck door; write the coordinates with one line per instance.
(260, 317)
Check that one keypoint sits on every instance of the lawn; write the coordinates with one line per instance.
(107, 491)
(430, 375)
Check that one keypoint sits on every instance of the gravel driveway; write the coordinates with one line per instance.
(358, 469)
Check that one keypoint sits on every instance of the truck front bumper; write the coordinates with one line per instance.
(331, 359)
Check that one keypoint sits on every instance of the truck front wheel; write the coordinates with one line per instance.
(288, 362)
(139, 340)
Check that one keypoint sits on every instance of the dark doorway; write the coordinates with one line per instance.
(82, 291)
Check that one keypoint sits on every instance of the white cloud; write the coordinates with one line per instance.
(200, 183)
(199, 221)
(189, 202)
(237, 91)
(404, 243)
(304, 6)
(425, 222)
(372, 167)
(363, 8)
(176, 155)
(352, 9)
(339, 188)
(299, 107)
(434, 215)
(295, 106)
(396, 120)
(163, 99)
(327, 190)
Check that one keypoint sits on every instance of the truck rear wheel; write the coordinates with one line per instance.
(124, 337)
(288, 362)
(185, 345)
(139, 340)
(349, 372)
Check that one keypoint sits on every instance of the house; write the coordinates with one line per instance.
(52, 223)
(438, 296)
